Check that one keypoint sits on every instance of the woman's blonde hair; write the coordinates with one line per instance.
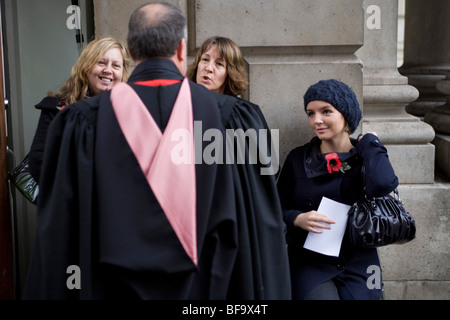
(77, 86)
(237, 78)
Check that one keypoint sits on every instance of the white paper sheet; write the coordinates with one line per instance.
(329, 241)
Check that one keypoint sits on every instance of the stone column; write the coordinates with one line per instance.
(426, 51)
(439, 118)
(427, 65)
(386, 93)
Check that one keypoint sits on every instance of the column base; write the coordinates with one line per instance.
(413, 163)
(419, 269)
(439, 118)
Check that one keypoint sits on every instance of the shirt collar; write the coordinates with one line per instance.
(155, 68)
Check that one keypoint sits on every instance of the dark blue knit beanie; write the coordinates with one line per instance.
(340, 96)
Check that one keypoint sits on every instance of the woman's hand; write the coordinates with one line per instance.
(362, 135)
(313, 221)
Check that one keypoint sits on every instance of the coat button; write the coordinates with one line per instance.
(340, 267)
(308, 160)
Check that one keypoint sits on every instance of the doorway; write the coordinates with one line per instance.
(41, 42)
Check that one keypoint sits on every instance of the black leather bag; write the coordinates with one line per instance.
(380, 221)
(24, 182)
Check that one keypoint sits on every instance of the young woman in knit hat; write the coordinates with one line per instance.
(330, 166)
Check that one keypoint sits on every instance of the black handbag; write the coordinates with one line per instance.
(24, 182)
(380, 221)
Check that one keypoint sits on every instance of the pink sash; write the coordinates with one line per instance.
(172, 182)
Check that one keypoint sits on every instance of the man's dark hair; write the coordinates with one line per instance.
(155, 35)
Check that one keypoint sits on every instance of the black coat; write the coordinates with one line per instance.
(49, 107)
(303, 181)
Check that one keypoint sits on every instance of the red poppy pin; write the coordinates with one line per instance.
(334, 164)
(60, 108)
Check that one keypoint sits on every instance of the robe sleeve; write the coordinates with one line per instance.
(36, 153)
(64, 208)
(261, 270)
(220, 242)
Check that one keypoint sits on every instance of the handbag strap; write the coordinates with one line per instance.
(363, 176)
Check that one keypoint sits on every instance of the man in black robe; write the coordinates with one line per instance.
(103, 234)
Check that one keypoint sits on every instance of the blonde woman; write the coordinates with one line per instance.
(219, 66)
(104, 62)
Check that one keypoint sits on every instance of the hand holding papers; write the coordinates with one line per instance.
(329, 241)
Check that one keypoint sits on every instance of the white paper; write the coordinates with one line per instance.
(329, 241)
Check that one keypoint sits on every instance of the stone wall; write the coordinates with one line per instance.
(420, 269)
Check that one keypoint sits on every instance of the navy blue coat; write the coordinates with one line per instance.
(303, 181)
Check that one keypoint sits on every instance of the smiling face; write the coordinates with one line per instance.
(212, 70)
(326, 121)
(106, 72)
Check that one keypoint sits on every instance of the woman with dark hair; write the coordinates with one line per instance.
(263, 265)
(219, 66)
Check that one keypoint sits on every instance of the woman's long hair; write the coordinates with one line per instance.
(77, 86)
(237, 78)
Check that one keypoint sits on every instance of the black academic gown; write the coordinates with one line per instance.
(262, 266)
(97, 212)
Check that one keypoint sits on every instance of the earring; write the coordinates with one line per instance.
(347, 129)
